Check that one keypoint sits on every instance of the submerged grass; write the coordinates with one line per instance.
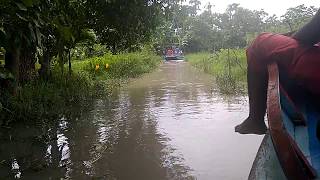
(228, 66)
(42, 100)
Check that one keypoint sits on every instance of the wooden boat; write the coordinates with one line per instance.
(291, 149)
(266, 165)
(173, 53)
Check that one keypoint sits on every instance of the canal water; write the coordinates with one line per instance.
(169, 124)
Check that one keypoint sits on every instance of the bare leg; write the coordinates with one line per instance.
(257, 91)
(258, 79)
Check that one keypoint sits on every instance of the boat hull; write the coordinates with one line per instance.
(169, 58)
(293, 144)
(266, 165)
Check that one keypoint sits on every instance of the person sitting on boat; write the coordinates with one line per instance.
(297, 55)
(169, 52)
(177, 51)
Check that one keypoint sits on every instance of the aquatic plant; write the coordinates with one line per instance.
(228, 66)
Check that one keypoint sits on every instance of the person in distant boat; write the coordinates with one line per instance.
(170, 52)
(177, 51)
(297, 55)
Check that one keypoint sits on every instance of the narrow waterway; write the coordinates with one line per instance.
(169, 124)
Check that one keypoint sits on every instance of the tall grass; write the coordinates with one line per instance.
(128, 65)
(47, 99)
(228, 66)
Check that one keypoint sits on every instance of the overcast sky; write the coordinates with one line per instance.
(277, 7)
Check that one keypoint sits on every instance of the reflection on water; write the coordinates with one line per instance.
(16, 169)
(170, 124)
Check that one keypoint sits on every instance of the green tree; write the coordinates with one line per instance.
(297, 16)
(125, 25)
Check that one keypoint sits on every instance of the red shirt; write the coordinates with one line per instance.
(301, 62)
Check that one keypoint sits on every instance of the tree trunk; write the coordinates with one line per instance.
(61, 62)
(12, 64)
(69, 59)
(7, 83)
(114, 49)
(27, 65)
(44, 71)
(8, 60)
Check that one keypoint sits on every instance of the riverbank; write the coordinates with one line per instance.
(41, 100)
(142, 130)
(228, 66)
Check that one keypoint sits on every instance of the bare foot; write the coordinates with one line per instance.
(250, 126)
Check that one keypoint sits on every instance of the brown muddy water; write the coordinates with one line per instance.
(169, 124)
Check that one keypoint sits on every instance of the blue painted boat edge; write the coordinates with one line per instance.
(296, 138)
(304, 136)
(314, 143)
(292, 161)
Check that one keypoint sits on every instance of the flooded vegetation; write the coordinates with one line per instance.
(228, 66)
(41, 100)
(82, 95)
(170, 124)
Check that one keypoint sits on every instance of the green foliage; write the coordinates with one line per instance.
(39, 31)
(53, 27)
(126, 65)
(234, 28)
(39, 99)
(297, 16)
(124, 25)
(228, 66)
(42, 100)
(5, 75)
(84, 50)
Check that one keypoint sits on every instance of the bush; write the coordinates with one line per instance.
(228, 66)
(127, 65)
(41, 100)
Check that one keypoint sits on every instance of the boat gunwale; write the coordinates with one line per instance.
(293, 166)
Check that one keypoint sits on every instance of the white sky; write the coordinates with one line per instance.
(277, 7)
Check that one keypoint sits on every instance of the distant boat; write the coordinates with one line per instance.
(291, 149)
(173, 53)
